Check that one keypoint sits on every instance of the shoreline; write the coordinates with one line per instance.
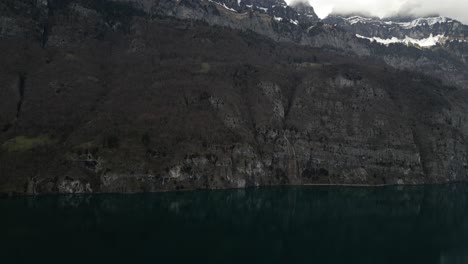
(4, 195)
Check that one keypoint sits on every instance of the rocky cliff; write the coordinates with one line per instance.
(400, 28)
(112, 96)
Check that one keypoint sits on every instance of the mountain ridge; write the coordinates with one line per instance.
(417, 28)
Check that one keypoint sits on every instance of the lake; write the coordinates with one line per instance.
(424, 224)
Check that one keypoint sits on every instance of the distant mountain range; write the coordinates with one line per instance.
(424, 32)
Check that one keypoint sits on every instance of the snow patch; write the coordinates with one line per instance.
(264, 9)
(358, 19)
(224, 5)
(278, 18)
(295, 22)
(425, 21)
(426, 42)
(429, 21)
(458, 40)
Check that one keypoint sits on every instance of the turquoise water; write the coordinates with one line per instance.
(272, 225)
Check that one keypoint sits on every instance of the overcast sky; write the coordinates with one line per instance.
(457, 9)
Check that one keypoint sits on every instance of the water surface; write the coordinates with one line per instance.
(273, 225)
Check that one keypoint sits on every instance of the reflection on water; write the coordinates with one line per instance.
(279, 225)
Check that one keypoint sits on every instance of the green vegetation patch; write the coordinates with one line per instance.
(22, 143)
(205, 68)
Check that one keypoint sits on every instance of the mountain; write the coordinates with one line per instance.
(130, 96)
(433, 45)
(275, 20)
(297, 23)
(424, 32)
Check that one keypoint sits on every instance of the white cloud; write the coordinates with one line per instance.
(456, 9)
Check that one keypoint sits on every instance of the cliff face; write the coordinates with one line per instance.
(100, 96)
(416, 28)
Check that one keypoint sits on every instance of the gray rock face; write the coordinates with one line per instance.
(446, 59)
(111, 99)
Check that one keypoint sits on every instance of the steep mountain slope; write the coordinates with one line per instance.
(434, 45)
(446, 64)
(271, 18)
(299, 24)
(274, 19)
(103, 96)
